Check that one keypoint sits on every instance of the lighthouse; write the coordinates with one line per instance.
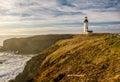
(85, 25)
(86, 31)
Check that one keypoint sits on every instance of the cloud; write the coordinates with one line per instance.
(48, 9)
(65, 3)
(34, 14)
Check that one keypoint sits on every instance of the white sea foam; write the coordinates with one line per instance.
(11, 65)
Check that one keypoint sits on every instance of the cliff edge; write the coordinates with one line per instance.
(84, 58)
(31, 45)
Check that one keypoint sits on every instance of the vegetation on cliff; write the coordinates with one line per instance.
(84, 58)
(31, 45)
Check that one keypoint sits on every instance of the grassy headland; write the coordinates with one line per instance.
(84, 58)
(31, 45)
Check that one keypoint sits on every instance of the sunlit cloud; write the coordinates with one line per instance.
(45, 16)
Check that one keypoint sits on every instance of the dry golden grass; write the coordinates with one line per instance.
(95, 56)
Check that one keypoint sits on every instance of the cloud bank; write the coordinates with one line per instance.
(56, 16)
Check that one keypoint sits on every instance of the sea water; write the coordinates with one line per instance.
(11, 65)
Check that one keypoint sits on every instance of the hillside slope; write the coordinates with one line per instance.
(31, 45)
(84, 58)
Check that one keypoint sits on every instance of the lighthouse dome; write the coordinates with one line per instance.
(86, 20)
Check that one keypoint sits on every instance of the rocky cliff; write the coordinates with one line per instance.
(31, 45)
(84, 58)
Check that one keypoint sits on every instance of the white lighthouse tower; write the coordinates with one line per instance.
(86, 31)
(85, 25)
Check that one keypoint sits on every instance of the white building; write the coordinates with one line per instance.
(86, 30)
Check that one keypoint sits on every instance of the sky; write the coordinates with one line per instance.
(34, 17)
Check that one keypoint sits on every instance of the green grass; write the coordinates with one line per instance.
(32, 45)
(95, 56)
